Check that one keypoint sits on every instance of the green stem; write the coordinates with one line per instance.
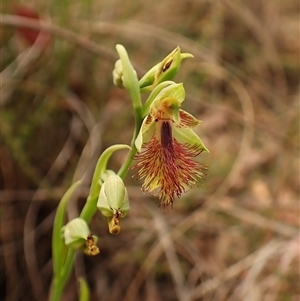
(56, 289)
(59, 281)
(125, 166)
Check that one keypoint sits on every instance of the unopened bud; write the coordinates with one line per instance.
(113, 197)
(117, 74)
(113, 202)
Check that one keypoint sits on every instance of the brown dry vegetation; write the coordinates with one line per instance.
(234, 238)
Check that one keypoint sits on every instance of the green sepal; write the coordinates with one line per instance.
(145, 133)
(174, 90)
(113, 197)
(129, 78)
(75, 233)
(105, 175)
(153, 95)
(164, 70)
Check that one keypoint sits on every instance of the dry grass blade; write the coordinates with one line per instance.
(169, 249)
(233, 271)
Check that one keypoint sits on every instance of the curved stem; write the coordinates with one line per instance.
(125, 166)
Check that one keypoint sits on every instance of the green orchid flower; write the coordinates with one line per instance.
(167, 147)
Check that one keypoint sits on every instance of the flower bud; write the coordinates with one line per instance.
(75, 232)
(164, 70)
(113, 202)
(105, 175)
(77, 235)
(113, 197)
(117, 74)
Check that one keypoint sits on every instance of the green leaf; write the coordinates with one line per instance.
(84, 292)
(58, 247)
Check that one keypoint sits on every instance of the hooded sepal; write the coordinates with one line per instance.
(166, 104)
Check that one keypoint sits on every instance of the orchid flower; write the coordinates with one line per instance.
(167, 147)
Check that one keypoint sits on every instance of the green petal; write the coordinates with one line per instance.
(115, 191)
(146, 132)
(186, 135)
(125, 208)
(103, 204)
(76, 231)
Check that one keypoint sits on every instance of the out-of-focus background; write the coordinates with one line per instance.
(234, 238)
